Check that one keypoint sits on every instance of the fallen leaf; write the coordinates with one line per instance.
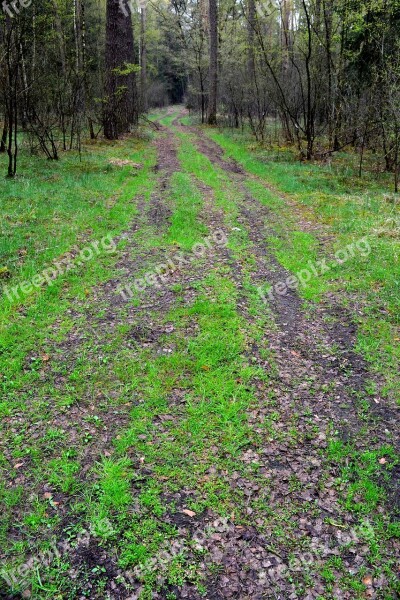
(47, 495)
(189, 513)
(367, 580)
(382, 461)
(18, 465)
(204, 479)
(45, 357)
(205, 368)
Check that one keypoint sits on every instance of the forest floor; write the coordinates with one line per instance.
(203, 404)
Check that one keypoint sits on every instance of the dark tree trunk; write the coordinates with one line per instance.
(213, 83)
(3, 141)
(328, 17)
(12, 95)
(120, 110)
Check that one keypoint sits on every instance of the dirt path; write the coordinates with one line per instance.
(319, 382)
(248, 497)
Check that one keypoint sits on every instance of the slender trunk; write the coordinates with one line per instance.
(285, 34)
(3, 141)
(327, 6)
(251, 32)
(213, 83)
(203, 95)
(310, 113)
(143, 60)
(13, 59)
(396, 160)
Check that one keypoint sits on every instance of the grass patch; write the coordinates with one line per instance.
(350, 209)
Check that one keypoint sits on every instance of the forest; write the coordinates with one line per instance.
(199, 299)
(326, 72)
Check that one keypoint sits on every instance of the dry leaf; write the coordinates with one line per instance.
(367, 580)
(204, 479)
(45, 357)
(382, 461)
(47, 495)
(205, 368)
(189, 513)
(18, 465)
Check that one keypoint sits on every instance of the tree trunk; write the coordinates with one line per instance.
(143, 60)
(213, 83)
(3, 141)
(251, 32)
(120, 110)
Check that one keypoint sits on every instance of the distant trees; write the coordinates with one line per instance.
(59, 79)
(320, 74)
(326, 69)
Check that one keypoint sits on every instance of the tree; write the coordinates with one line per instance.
(213, 72)
(120, 103)
(143, 58)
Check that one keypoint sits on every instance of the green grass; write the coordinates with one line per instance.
(349, 209)
(364, 474)
(45, 211)
(186, 228)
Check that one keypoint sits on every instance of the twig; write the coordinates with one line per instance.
(155, 125)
